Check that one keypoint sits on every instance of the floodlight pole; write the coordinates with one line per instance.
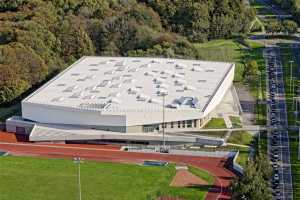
(163, 126)
(77, 161)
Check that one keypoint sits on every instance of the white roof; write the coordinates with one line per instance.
(127, 83)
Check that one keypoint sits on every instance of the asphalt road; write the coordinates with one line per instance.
(278, 141)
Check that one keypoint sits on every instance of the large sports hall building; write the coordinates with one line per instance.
(124, 98)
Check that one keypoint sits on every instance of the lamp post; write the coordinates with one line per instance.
(164, 94)
(291, 73)
(78, 161)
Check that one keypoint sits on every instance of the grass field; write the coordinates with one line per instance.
(54, 179)
(236, 122)
(240, 137)
(215, 123)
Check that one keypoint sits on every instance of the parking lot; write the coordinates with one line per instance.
(278, 141)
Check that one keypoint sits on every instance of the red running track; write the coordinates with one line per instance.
(110, 153)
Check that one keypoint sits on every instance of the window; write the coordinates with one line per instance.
(183, 124)
(178, 123)
(189, 123)
(172, 124)
(195, 123)
(164, 125)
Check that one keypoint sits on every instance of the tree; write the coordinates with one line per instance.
(289, 26)
(251, 68)
(274, 26)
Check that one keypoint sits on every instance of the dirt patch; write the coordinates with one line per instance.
(184, 178)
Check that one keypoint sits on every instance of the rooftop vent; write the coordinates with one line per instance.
(155, 101)
(93, 70)
(189, 87)
(209, 70)
(117, 85)
(115, 94)
(202, 81)
(179, 66)
(121, 63)
(167, 72)
(142, 97)
(104, 83)
(129, 80)
(89, 97)
(133, 90)
(145, 65)
(165, 86)
(76, 95)
(170, 62)
(162, 92)
(149, 74)
(155, 61)
(115, 101)
(157, 81)
(61, 84)
(58, 99)
(189, 101)
(180, 82)
(196, 64)
(196, 69)
(71, 88)
(93, 65)
(177, 76)
(109, 72)
(132, 70)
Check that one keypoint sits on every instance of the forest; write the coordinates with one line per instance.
(39, 38)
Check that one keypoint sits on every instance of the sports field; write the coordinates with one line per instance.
(54, 179)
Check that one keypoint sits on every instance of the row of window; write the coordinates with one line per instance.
(182, 124)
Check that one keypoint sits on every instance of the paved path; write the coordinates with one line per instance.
(215, 166)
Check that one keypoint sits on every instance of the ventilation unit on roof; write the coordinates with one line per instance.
(71, 88)
(114, 94)
(209, 70)
(109, 72)
(93, 65)
(170, 62)
(196, 64)
(155, 101)
(145, 65)
(117, 85)
(136, 61)
(189, 87)
(179, 66)
(149, 74)
(115, 101)
(165, 86)
(167, 72)
(142, 97)
(132, 70)
(89, 97)
(116, 78)
(162, 92)
(61, 84)
(133, 90)
(104, 83)
(177, 76)
(188, 101)
(129, 80)
(157, 81)
(121, 63)
(196, 69)
(180, 82)
(57, 99)
(93, 70)
(202, 81)
(76, 95)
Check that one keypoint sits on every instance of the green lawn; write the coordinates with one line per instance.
(243, 156)
(215, 123)
(240, 137)
(236, 122)
(295, 164)
(54, 179)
